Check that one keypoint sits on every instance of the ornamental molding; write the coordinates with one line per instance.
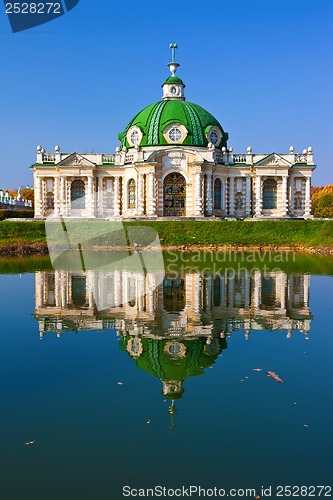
(273, 160)
(76, 160)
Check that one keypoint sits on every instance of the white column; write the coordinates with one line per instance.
(306, 289)
(307, 211)
(198, 194)
(56, 195)
(231, 195)
(209, 196)
(258, 197)
(257, 290)
(116, 200)
(284, 208)
(140, 195)
(63, 290)
(231, 288)
(283, 290)
(100, 209)
(90, 197)
(39, 198)
(247, 285)
(152, 194)
(248, 196)
(57, 288)
(291, 195)
(62, 195)
(67, 195)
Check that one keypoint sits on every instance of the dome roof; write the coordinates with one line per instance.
(155, 119)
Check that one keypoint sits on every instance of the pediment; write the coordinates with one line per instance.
(273, 160)
(76, 160)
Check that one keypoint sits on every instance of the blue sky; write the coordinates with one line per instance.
(262, 67)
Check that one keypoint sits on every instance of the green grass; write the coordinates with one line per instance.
(288, 233)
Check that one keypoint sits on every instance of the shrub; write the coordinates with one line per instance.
(16, 214)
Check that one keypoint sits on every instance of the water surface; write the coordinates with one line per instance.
(159, 388)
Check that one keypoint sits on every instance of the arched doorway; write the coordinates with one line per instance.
(174, 195)
(269, 194)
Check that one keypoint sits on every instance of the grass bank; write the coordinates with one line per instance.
(316, 236)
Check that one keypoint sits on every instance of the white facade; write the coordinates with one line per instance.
(133, 184)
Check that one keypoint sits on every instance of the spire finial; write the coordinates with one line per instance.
(173, 47)
(173, 65)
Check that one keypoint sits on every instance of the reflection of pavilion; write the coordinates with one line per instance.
(193, 305)
(178, 329)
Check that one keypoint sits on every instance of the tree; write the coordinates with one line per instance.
(322, 201)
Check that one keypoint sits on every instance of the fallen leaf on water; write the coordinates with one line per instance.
(257, 369)
(148, 422)
(120, 383)
(257, 497)
(305, 425)
(274, 376)
(28, 443)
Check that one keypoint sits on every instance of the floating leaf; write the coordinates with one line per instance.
(274, 376)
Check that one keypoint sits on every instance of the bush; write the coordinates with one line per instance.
(16, 214)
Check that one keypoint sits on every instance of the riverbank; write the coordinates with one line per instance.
(299, 235)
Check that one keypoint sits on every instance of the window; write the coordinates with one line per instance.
(298, 204)
(217, 194)
(135, 137)
(131, 194)
(175, 134)
(50, 201)
(239, 201)
(213, 137)
(78, 195)
(269, 194)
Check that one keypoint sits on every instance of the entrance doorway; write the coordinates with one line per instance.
(174, 195)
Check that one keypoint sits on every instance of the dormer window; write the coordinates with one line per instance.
(213, 138)
(134, 136)
(175, 134)
(214, 135)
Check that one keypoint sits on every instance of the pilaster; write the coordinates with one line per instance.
(198, 193)
(258, 208)
(248, 196)
(231, 211)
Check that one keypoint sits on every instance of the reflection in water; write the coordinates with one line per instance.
(179, 329)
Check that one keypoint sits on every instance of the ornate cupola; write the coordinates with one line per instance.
(173, 87)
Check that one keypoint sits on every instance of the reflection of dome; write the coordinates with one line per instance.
(174, 361)
(153, 120)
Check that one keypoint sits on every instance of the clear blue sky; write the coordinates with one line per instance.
(262, 67)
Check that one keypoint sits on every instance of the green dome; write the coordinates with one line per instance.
(153, 120)
(173, 79)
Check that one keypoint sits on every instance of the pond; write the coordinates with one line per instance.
(124, 379)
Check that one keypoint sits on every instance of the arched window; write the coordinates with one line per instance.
(269, 194)
(131, 194)
(78, 195)
(217, 194)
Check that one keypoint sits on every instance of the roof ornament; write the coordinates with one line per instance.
(173, 65)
